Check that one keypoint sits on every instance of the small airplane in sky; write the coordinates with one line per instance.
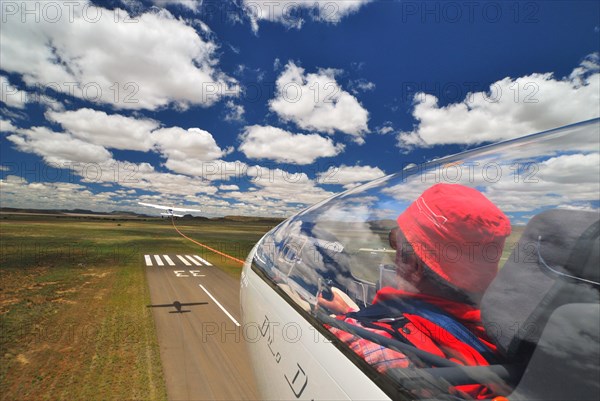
(169, 211)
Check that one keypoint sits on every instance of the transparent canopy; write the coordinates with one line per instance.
(495, 312)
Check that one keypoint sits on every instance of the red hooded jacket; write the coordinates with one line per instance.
(425, 334)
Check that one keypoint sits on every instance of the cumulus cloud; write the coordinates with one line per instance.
(386, 128)
(213, 170)
(193, 5)
(142, 176)
(572, 169)
(58, 147)
(18, 192)
(234, 112)
(349, 176)
(266, 142)
(106, 56)
(17, 98)
(518, 179)
(111, 131)
(512, 108)
(178, 144)
(10, 95)
(89, 133)
(6, 126)
(315, 101)
(280, 187)
(229, 188)
(293, 13)
(361, 85)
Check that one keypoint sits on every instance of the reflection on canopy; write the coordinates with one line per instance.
(342, 246)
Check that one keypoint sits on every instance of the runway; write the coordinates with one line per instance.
(201, 345)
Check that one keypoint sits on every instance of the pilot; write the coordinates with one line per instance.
(448, 244)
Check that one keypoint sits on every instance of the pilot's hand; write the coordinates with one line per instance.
(336, 304)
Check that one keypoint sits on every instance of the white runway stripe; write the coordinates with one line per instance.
(158, 260)
(148, 260)
(220, 306)
(184, 260)
(202, 260)
(194, 261)
(169, 261)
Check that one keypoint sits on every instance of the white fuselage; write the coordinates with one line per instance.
(291, 358)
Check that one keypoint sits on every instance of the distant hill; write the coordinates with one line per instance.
(129, 214)
(70, 212)
(249, 219)
(195, 218)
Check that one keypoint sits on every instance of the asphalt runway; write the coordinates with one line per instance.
(201, 344)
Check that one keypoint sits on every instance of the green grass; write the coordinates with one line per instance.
(73, 294)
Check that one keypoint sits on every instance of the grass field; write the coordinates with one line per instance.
(73, 317)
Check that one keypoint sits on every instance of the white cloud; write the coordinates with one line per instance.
(57, 147)
(105, 56)
(142, 176)
(279, 187)
(544, 179)
(292, 13)
(266, 142)
(234, 112)
(178, 144)
(386, 128)
(111, 131)
(315, 101)
(193, 151)
(148, 179)
(229, 188)
(349, 176)
(512, 108)
(571, 169)
(361, 85)
(17, 192)
(17, 98)
(193, 5)
(213, 170)
(10, 95)
(6, 126)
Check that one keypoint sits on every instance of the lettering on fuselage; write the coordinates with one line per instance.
(299, 379)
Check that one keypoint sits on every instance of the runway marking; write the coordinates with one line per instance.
(194, 273)
(169, 261)
(184, 260)
(220, 306)
(194, 261)
(202, 260)
(158, 260)
(148, 260)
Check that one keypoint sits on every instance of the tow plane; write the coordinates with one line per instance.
(169, 211)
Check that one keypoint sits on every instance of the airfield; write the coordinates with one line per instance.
(88, 308)
(202, 345)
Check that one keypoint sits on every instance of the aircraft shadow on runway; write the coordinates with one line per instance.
(177, 305)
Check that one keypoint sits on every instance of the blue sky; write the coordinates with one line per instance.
(265, 107)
